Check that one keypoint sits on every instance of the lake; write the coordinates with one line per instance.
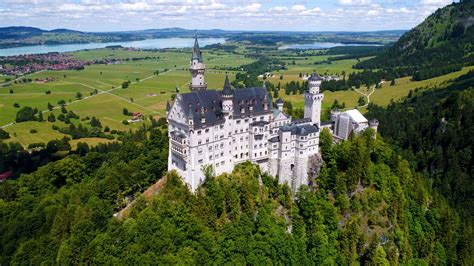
(322, 45)
(143, 44)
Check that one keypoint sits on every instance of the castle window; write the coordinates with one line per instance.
(207, 130)
(200, 151)
(199, 142)
(200, 161)
(210, 157)
(210, 148)
(199, 132)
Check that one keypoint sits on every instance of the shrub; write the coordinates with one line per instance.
(16, 105)
(4, 134)
(33, 131)
(25, 114)
(125, 122)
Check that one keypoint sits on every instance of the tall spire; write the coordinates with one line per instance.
(227, 91)
(197, 69)
(196, 50)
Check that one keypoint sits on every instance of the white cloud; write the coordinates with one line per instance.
(298, 8)
(373, 13)
(354, 2)
(435, 2)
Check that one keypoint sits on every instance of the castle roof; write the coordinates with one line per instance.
(279, 101)
(227, 91)
(314, 77)
(356, 116)
(196, 51)
(168, 107)
(209, 102)
(300, 130)
(243, 98)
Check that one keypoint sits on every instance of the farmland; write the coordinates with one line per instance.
(153, 77)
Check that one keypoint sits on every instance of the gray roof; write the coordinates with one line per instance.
(211, 100)
(196, 51)
(227, 88)
(301, 121)
(259, 123)
(243, 98)
(168, 107)
(300, 130)
(314, 77)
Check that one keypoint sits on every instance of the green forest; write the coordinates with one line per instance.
(369, 205)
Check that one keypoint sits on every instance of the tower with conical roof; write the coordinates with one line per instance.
(227, 97)
(197, 69)
(313, 99)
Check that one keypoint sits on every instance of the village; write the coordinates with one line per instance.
(29, 63)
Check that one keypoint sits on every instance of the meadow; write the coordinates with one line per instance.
(104, 98)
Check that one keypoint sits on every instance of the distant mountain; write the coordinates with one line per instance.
(441, 43)
(23, 36)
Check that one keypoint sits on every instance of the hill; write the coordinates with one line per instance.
(442, 43)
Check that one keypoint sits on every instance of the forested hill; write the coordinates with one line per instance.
(433, 131)
(440, 44)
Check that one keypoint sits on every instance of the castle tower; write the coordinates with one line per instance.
(279, 104)
(313, 99)
(374, 124)
(197, 69)
(227, 95)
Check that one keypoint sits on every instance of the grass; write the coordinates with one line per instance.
(151, 92)
(21, 133)
(92, 142)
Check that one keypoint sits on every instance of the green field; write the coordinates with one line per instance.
(148, 92)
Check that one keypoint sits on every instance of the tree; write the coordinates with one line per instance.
(392, 83)
(16, 105)
(379, 257)
(63, 109)
(11, 91)
(25, 114)
(125, 84)
(361, 101)
(4, 134)
(82, 148)
(40, 116)
(95, 122)
(50, 107)
(51, 118)
(78, 95)
(125, 111)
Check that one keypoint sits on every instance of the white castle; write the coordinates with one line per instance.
(226, 127)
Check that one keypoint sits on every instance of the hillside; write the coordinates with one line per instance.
(442, 43)
(367, 206)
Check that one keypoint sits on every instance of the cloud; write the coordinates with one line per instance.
(108, 15)
(354, 2)
(436, 2)
(298, 8)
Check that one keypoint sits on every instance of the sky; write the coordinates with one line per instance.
(309, 15)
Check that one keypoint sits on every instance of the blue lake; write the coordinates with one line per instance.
(322, 45)
(144, 44)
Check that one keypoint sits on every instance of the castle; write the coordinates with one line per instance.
(226, 127)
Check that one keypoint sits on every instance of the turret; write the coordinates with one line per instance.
(168, 108)
(279, 104)
(191, 119)
(314, 82)
(227, 97)
(313, 99)
(374, 124)
(266, 102)
(197, 69)
(203, 116)
(334, 114)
